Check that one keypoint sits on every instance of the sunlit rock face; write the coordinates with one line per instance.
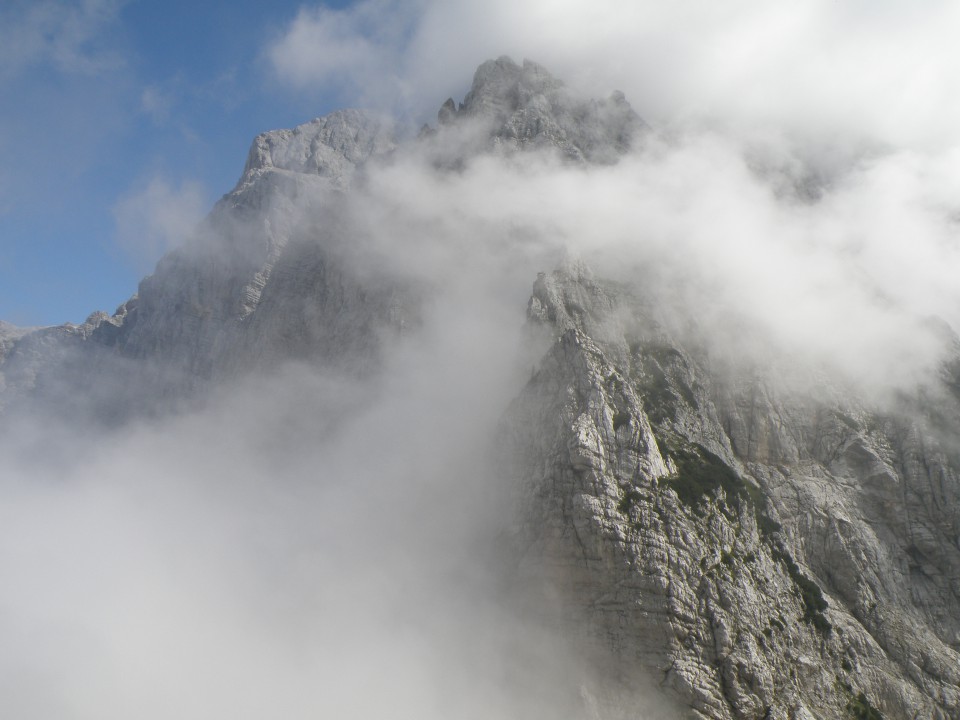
(756, 548)
(766, 552)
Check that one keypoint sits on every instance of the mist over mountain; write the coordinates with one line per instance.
(540, 411)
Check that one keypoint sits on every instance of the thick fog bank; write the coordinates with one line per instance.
(301, 546)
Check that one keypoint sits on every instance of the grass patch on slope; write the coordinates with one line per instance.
(700, 473)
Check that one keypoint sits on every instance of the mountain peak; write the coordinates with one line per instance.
(525, 107)
(501, 87)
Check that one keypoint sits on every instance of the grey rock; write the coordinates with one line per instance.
(332, 146)
(513, 108)
(764, 552)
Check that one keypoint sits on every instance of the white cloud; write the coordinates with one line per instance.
(252, 559)
(303, 547)
(158, 218)
(156, 103)
(356, 50)
(67, 34)
(857, 102)
(885, 72)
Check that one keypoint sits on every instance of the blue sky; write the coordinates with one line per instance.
(106, 104)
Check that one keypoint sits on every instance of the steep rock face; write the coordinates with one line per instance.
(9, 334)
(26, 354)
(765, 554)
(202, 302)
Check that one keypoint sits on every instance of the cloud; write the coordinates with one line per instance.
(67, 35)
(806, 150)
(305, 545)
(158, 218)
(880, 72)
(156, 103)
(302, 546)
(354, 51)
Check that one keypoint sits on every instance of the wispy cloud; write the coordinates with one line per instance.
(357, 51)
(157, 218)
(64, 34)
(156, 103)
(885, 72)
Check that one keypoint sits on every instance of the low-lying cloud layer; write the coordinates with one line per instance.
(303, 546)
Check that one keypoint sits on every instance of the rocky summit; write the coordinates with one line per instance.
(748, 538)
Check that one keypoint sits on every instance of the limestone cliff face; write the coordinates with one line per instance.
(766, 554)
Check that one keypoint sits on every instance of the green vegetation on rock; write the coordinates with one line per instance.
(859, 708)
(662, 384)
(814, 603)
(700, 473)
(630, 498)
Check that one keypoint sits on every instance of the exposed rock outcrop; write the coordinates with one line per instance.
(767, 554)
(513, 107)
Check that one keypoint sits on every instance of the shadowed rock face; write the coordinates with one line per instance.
(759, 549)
(764, 552)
